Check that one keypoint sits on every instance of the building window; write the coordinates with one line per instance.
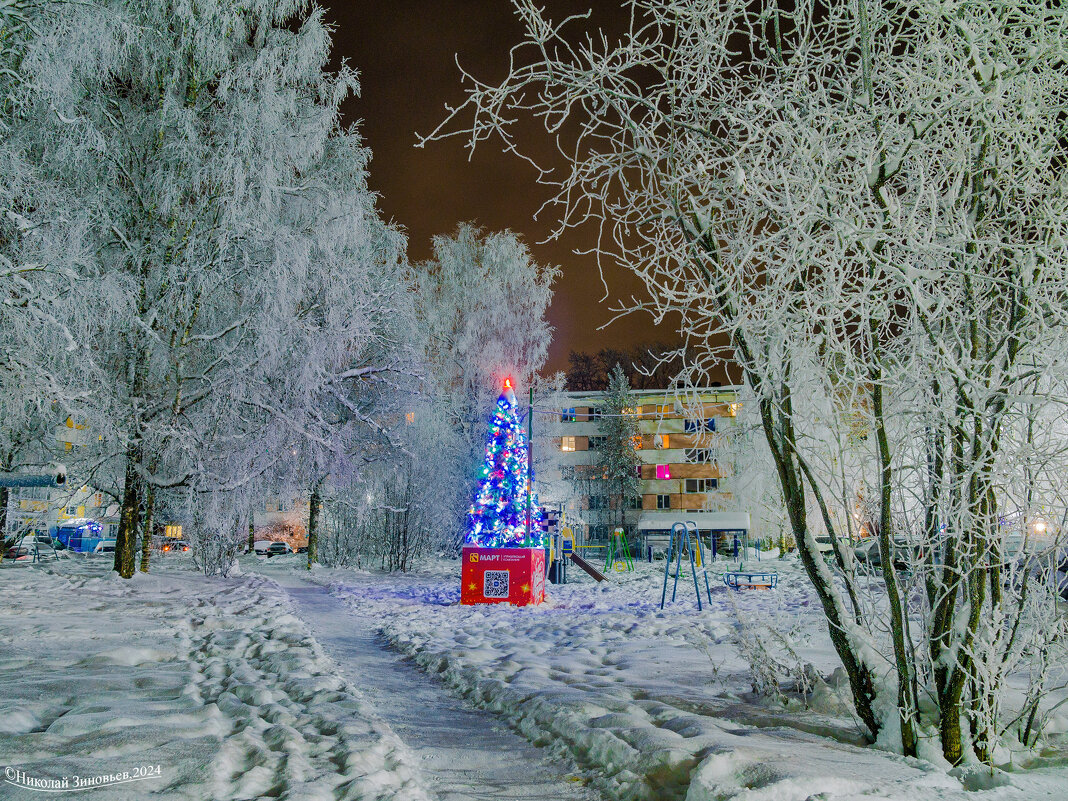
(700, 455)
(409, 418)
(598, 503)
(567, 473)
(596, 443)
(663, 501)
(663, 472)
(634, 502)
(600, 531)
(567, 415)
(693, 426)
(701, 484)
(567, 444)
(595, 413)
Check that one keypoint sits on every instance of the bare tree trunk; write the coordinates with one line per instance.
(130, 515)
(906, 701)
(251, 531)
(146, 537)
(313, 524)
(778, 430)
(5, 496)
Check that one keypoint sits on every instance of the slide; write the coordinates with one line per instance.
(578, 560)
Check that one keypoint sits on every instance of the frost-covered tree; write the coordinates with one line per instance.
(481, 305)
(618, 461)
(227, 254)
(867, 201)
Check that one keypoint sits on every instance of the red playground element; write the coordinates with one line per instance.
(502, 575)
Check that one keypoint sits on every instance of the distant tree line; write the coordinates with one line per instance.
(645, 366)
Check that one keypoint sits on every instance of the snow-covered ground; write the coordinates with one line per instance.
(194, 688)
(659, 704)
(223, 685)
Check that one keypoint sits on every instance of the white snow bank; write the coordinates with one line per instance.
(215, 681)
(655, 704)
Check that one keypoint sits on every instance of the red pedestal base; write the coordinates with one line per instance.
(502, 575)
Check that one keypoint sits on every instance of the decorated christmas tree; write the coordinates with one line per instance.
(498, 515)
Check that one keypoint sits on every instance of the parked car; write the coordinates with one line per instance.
(261, 547)
(174, 545)
(22, 548)
(104, 546)
(302, 549)
(904, 554)
(824, 544)
(278, 549)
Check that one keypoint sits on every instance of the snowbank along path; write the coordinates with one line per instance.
(465, 754)
(214, 681)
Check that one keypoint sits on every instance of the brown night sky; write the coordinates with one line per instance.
(405, 52)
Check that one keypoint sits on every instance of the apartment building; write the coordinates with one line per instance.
(682, 477)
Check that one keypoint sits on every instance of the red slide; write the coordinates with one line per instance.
(578, 560)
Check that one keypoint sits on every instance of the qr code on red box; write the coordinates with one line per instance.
(495, 584)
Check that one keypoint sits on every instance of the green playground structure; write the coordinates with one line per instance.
(618, 557)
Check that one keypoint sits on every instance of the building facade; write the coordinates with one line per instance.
(683, 476)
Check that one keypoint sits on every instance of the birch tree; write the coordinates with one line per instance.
(200, 154)
(868, 201)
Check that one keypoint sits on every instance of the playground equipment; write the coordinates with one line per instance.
(683, 540)
(742, 579)
(578, 560)
(618, 557)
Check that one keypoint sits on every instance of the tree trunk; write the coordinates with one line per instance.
(778, 431)
(251, 532)
(906, 702)
(146, 537)
(313, 525)
(5, 496)
(126, 539)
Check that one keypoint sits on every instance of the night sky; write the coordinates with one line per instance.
(405, 53)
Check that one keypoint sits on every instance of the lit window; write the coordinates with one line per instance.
(701, 484)
(636, 441)
(666, 441)
(663, 472)
(663, 501)
(410, 417)
(567, 444)
(567, 415)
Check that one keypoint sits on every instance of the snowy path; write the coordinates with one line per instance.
(465, 754)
